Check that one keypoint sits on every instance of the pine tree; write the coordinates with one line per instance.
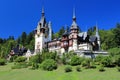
(117, 35)
(23, 38)
(61, 31)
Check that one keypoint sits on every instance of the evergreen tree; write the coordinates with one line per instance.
(107, 39)
(30, 37)
(90, 31)
(18, 40)
(53, 36)
(11, 38)
(68, 29)
(23, 38)
(1, 40)
(61, 31)
(117, 35)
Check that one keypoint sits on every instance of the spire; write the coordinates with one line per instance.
(97, 34)
(42, 20)
(74, 24)
(74, 17)
(50, 31)
(43, 11)
(49, 24)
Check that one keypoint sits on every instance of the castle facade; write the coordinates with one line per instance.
(70, 41)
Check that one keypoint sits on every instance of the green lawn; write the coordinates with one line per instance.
(6, 73)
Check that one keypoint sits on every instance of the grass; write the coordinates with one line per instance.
(6, 73)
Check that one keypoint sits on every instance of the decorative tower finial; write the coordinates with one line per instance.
(74, 17)
(97, 30)
(43, 11)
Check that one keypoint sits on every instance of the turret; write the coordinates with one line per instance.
(73, 42)
(98, 37)
(74, 26)
(50, 31)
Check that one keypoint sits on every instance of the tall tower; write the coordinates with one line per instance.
(73, 42)
(98, 37)
(50, 31)
(40, 33)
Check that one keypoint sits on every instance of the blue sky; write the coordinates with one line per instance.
(17, 16)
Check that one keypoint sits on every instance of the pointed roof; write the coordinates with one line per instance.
(97, 33)
(42, 20)
(65, 33)
(96, 30)
(83, 34)
(74, 24)
(92, 38)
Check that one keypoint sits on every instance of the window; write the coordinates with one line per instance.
(65, 43)
(55, 45)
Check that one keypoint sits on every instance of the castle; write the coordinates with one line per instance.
(70, 41)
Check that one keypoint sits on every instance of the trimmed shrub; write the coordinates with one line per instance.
(35, 66)
(92, 65)
(20, 62)
(20, 59)
(49, 65)
(49, 55)
(99, 58)
(75, 60)
(107, 61)
(115, 54)
(86, 63)
(53, 55)
(68, 69)
(36, 59)
(101, 68)
(2, 61)
(65, 58)
(64, 61)
(78, 69)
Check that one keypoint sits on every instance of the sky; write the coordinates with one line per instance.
(17, 16)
